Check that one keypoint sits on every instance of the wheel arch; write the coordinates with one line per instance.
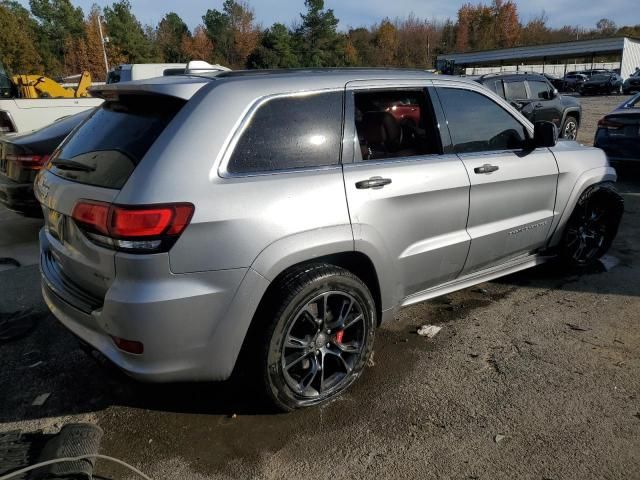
(572, 112)
(590, 183)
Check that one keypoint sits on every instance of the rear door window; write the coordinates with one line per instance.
(290, 133)
(478, 124)
(515, 90)
(395, 124)
(106, 149)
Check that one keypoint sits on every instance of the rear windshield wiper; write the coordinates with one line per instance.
(72, 165)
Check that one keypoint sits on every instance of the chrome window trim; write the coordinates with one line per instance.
(244, 122)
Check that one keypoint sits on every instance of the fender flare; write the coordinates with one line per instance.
(569, 110)
(590, 181)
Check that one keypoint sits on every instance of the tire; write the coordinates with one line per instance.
(592, 226)
(310, 355)
(569, 129)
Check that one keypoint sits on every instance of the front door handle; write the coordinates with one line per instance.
(538, 105)
(373, 182)
(486, 168)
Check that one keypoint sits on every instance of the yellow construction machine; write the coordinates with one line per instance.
(39, 86)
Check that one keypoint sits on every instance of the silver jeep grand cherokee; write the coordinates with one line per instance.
(268, 222)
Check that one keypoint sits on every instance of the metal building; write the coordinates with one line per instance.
(626, 47)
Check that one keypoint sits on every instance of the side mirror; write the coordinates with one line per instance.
(517, 105)
(545, 134)
(554, 93)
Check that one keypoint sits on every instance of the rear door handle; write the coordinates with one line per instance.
(486, 168)
(373, 182)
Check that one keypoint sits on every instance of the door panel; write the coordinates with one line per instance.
(512, 208)
(513, 190)
(418, 220)
(408, 202)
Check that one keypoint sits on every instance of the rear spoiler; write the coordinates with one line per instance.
(173, 86)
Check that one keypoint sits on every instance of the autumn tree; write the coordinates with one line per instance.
(386, 42)
(57, 21)
(127, 34)
(362, 41)
(233, 32)
(169, 37)
(197, 46)
(18, 52)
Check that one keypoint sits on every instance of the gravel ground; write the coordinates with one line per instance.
(593, 109)
(533, 376)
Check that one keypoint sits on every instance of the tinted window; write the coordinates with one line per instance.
(539, 89)
(291, 132)
(496, 86)
(515, 90)
(395, 123)
(479, 124)
(111, 143)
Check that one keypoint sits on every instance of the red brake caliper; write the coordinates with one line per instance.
(339, 335)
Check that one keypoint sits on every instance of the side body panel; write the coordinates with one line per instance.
(414, 228)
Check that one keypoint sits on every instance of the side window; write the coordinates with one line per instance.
(395, 123)
(515, 90)
(291, 132)
(539, 90)
(478, 124)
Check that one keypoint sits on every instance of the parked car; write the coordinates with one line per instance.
(573, 81)
(595, 71)
(23, 155)
(632, 84)
(602, 83)
(537, 100)
(618, 132)
(273, 239)
(558, 83)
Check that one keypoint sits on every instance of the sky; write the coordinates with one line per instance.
(356, 13)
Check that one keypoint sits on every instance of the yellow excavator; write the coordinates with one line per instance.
(39, 86)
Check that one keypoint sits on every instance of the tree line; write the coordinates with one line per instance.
(56, 38)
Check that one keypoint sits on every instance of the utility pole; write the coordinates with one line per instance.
(104, 49)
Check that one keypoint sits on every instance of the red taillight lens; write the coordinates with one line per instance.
(140, 223)
(31, 162)
(93, 216)
(133, 228)
(609, 124)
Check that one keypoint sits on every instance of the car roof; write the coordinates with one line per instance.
(281, 80)
(522, 75)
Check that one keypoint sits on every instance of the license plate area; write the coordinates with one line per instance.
(56, 223)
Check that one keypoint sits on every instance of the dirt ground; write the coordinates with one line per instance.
(533, 376)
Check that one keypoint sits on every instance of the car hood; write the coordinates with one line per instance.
(568, 101)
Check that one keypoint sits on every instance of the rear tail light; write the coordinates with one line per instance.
(30, 162)
(142, 229)
(609, 124)
(6, 123)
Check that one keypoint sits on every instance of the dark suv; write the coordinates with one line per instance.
(537, 100)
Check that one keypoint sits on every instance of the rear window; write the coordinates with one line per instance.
(291, 132)
(106, 149)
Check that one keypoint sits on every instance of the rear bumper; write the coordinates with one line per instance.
(181, 320)
(17, 196)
